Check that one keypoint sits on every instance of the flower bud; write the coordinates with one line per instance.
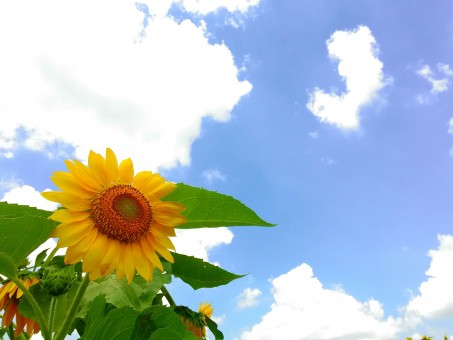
(58, 281)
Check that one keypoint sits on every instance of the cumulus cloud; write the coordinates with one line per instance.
(110, 81)
(198, 242)
(358, 65)
(435, 298)
(28, 195)
(248, 298)
(439, 81)
(304, 309)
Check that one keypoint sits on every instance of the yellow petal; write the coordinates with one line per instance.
(67, 200)
(129, 266)
(94, 255)
(162, 241)
(142, 178)
(151, 184)
(76, 252)
(159, 248)
(5, 289)
(163, 229)
(150, 252)
(70, 234)
(141, 262)
(112, 166)
(83, 175)
(111, 257)
(165, 253)
(126, 171)
(120, 267)
(162, 190)
(69, 216)
(97, 167)
(168, 218)
(112, 254)
(66, 182)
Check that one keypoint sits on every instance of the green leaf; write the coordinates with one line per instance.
(138, 295)
(116, 325)
(165, 334)
(40, 258)
(155, 318)
(95, 317)
(213, 328)
(199, 274)
(206, 208)
(7, 266)
(22, 230)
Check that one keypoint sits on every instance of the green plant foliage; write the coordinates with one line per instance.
(199, 274)
(117, 324)
(138, 295)
(213, 328)
(62, 304)
(22, 230)
(109, 308)
(206, 208)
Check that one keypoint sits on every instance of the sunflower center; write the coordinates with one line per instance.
(122, 213)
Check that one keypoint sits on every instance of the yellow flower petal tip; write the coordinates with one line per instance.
(105, 208)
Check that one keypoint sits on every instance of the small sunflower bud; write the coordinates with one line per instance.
(58, 281)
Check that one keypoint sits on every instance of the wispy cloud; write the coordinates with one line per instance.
(248, 298)
(209, 6)
(212, 175)
(358, 64)
(439, 81)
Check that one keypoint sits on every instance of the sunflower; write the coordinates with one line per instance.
(195, 322)
(206, 309)
(112, 219)
(10, 296)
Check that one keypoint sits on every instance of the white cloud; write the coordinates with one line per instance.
(437, 85)
(439, 81)
(304, 309)
(314, 134)
(198, 242)
(328, 160)
(110, 82)
(207, 6)
(212, 175)
(435, 298)
(358, 65)
(28, 195)
(248, 298)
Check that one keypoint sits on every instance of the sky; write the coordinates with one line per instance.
(332, 119)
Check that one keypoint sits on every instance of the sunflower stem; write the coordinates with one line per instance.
(50, 257)
(53, 304)
(40, 316)
(168, 296)
(72, 311)
(11, 332)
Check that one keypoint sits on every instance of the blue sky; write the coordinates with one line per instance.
(332, 119)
